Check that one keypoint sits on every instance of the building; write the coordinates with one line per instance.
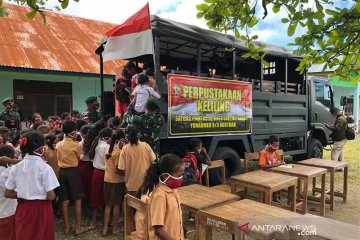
(51, 68)
(342, 88)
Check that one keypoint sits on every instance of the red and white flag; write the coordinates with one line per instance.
(131, 39)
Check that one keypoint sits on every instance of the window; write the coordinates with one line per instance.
(322, 94)
(271, 69)
(47, 98)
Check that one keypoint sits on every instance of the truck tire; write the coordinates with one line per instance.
(232, 164)
(315, 149)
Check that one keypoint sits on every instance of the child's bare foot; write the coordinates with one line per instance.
(80, 231)
(91, 227)
(117, 230)
(67, 230)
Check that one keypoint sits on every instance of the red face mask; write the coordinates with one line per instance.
(271, 148)
(172, 182)
(38, 119)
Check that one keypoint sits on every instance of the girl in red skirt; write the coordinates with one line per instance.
(97, 155)
(85, 164)
(34, 181)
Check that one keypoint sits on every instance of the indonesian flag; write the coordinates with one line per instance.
(131, 39)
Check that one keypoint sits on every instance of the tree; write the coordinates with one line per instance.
(332, 34)
(36, 7)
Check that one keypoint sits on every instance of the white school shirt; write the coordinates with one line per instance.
(32, 178)
(142, 94)
(99, 159)
(7, 205)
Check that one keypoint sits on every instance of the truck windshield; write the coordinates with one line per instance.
(322, 93)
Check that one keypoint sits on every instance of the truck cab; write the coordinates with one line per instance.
(321, 99)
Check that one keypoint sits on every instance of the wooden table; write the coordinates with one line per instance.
(197, 197)
(230, 217)
(328, 228)
(331, 167)
(267, 183)
(305, 173)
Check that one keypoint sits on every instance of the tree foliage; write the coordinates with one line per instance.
(36, 7)
(332, 34)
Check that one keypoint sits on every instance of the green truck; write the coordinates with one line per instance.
(284, 103)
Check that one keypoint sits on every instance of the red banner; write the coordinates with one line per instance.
(208, 106)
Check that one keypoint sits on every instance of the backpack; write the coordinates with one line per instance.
(191, 174)
(350, 133)
(120, 91)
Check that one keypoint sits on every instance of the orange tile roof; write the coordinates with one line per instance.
(65, 43)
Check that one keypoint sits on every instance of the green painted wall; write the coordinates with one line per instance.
(82, 86)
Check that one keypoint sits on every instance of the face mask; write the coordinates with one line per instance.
(40, 151)
(74, 119)
(72, 134)
(271, 148)
(171, 181)
(38, 119)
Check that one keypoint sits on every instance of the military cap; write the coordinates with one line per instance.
(6, 100)
(91, 99)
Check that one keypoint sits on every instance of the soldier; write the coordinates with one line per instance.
(11, 118)
(92, 115)
(149, 123)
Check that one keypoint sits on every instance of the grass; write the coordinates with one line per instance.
(352, 156)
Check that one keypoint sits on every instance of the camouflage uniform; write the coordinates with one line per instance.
(91, 117)
(150, 127)
(12, 121)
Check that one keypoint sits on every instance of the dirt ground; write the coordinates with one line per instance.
(348, 212)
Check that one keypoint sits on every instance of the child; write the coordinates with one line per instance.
(193, 162)
(122, 89)
(114, 185)
(7, 205)
(32, 182)
(68, 154)
(142, 93)
(162, 179)
(269, 157)
(135, 158)
(97, 156)
(51, 153)
(85, 164)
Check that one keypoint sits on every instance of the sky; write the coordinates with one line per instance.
(271, 31)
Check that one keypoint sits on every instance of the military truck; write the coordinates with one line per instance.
(284, 102)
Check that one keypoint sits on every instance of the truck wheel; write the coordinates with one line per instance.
(315, 149)
(232, 164)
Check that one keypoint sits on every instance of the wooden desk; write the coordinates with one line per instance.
(305, 173)
(328, 228)
(331, 167)
(266, 182)
(197, 197)
(230, 216)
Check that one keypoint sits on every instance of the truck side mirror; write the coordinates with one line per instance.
(343, 101)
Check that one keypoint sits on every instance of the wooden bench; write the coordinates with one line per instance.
(216, 164)
(131, 204)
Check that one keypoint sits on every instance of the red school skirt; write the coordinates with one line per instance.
(86, 172)
(97, 189)
(7, 227)
(34, 219)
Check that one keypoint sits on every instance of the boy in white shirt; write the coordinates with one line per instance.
(7, 205)
(142, 93)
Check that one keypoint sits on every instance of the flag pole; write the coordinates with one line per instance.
(99, 51)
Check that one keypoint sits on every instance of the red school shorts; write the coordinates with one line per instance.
(86, 172)
(122, 107)
(97, 189)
